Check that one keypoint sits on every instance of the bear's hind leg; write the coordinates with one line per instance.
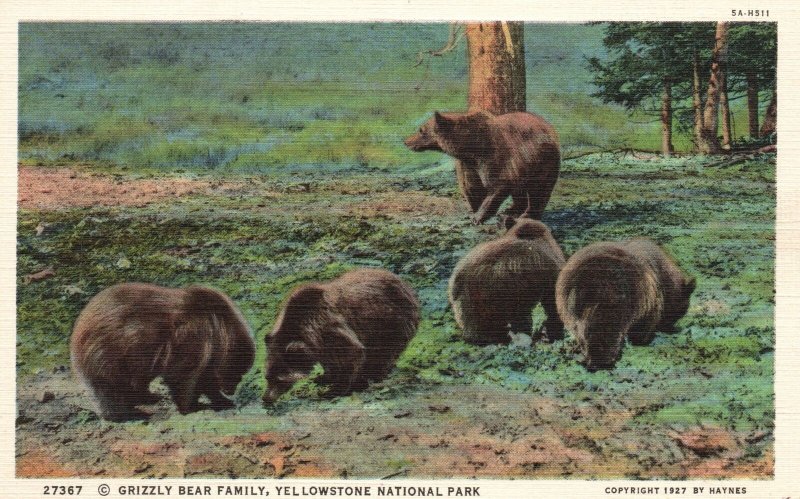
(521, 322)
(490, 205)
(553, 328)
(470, 184)
(184, 393)
(641, 338)
(118, 405)
(143, 395)
(519, 205)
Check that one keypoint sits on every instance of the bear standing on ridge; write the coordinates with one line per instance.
(514, 154)
(495, 287)
(354, 326)
(129, 334)
(609, 290)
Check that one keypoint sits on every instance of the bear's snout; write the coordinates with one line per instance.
(413, 142)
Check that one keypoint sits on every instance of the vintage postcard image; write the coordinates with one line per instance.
(397, 251)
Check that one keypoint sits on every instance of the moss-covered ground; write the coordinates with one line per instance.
(695, 403)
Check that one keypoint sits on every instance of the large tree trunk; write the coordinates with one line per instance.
(771, 116)
(697, 100)
(666, 119)
(726, 114)
(496, 67)
(752, 105)
(709, 144)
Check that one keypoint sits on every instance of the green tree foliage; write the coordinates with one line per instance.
(647, 60)
(752, 48)
(643, 55)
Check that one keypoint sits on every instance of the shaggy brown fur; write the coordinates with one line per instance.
(354, 326)
(514, 154)
(495, 287)
(610, 290)
(129, 334)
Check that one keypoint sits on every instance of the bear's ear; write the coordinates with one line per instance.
(305, 300)
(441, 120)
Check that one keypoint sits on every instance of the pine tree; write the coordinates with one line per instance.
(647, 61)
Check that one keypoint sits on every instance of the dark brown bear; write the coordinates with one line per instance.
(609, 290)
(495, 287)
(354, 326)
(514, 154)
(129, 334)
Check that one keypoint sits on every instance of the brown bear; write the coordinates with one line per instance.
(354, 326)
(129, 334)
(608, 290)
(514, 154)
(495, 287)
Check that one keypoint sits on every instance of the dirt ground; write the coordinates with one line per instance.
(429, 432)
(55, 188)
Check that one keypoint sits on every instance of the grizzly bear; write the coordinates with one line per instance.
(495, 287)
(129, 334)
(608, 290)
(514, 154)
(354, 326)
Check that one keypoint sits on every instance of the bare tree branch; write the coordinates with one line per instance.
(456, 34)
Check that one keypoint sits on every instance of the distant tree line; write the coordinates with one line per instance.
(689, 73)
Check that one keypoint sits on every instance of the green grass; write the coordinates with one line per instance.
(254, 97)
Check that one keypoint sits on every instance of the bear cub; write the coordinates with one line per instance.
(354, 326)
(608, 290)
(129, 334)
(515, 154)
(495, 287)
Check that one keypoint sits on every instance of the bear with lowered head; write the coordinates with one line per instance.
(610, 290)
(131, 333)
(355, 326)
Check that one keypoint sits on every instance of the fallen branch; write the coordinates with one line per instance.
(620, 150)
(735, 160)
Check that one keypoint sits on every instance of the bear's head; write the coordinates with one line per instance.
(426, 138)
(460, 135)
(292, 345)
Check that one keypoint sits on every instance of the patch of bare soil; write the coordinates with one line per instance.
(407, 204)
(60, 188)
(54, 188)
(445, 431)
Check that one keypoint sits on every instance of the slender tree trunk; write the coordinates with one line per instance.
(697, 100)
(666, 119)
(726, 113)
(752, 105)
(496, 67)
(771, 116)
(709, 143)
